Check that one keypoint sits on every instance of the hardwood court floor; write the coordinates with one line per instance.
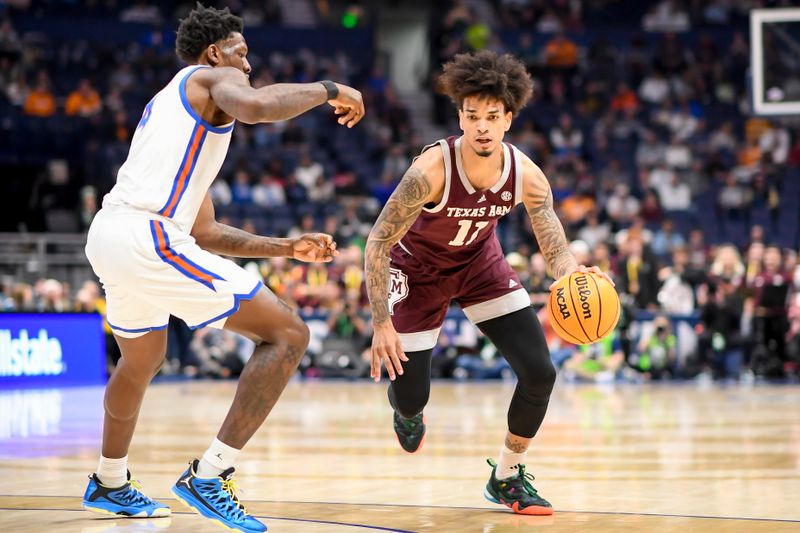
(630, 458)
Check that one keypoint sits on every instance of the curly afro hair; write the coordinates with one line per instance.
(487, 75)
(204, 26)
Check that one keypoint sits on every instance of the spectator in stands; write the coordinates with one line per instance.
(560, 53)
(576, 207)
(678, 155)
(613, 173)
(655, 354)
(18, 90)
(602, 257)
(594, 232)
(268, 192)
(681, 123)
(40, 102)
(241, 188)
(770, 304)
(88, 206)
(677, 284)
(24, 298)
(51, 296)
(651, 212)
(10, 44)
(217, 354)
(728, 264)
(720, 339)
(220, 193)
(599, 362)
(349, 320)
(539, 281)
(654, 89)
(733, 199)
(723, 139)
(668, 16)
(776, 142)
(639, 274)
(624, 99)
(308, 171)
(567, 140)
(83, 101)
(750, 154)
(675, 195)
(621, 207)
(650, 151)
(666, 240)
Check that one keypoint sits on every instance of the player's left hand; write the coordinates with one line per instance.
(592, 270)
(314, 248)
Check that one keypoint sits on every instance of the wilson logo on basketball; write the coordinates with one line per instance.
(561, 301)
(583, 293)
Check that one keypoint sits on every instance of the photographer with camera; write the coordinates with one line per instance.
(655, 356)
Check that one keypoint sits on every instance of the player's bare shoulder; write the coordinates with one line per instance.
(427, 174)
(536, 193)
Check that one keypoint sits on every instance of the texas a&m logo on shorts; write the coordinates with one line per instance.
(398, 287)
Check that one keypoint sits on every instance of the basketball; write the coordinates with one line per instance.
(584, 308)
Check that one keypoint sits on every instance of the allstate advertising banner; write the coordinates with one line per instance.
(51, 349)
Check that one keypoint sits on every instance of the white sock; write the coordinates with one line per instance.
(113, 472)
(218, 458)
(507, 462)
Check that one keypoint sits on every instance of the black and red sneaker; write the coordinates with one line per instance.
(516, 492)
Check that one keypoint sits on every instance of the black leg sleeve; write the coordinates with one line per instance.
(519, 337)
(409, 392)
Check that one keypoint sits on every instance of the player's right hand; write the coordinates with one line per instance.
(349, 104)
(386, 348)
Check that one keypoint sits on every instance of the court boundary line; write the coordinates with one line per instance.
(410, 505)
(189, 513)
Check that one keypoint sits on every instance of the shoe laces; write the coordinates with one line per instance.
(526, 478)
(230, 486)
(137, 496)
(522, 478)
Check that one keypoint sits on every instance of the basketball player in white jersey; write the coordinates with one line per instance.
(151, 245)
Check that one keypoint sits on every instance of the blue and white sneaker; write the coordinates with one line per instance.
(127, 500)
(215, 498)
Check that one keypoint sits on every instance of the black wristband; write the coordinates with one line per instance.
(332, 88)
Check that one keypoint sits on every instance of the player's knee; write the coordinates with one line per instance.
(299, 334)
(539, 381)
(294, 339)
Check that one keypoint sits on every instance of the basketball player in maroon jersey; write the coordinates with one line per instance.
(435, 241)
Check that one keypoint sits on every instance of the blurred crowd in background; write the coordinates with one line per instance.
(661, 176)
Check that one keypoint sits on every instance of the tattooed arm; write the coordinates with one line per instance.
(423, 183)
(227, 240)
(538, 200)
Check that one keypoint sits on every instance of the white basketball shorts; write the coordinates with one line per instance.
(151, 269)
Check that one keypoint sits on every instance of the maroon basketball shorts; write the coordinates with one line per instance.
(420, 296)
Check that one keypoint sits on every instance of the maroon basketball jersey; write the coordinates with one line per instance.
(461, 227)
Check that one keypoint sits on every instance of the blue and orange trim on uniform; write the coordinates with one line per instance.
(201, 129)
(179, 261)
(181, 181)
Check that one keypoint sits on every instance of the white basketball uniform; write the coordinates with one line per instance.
(139, 243)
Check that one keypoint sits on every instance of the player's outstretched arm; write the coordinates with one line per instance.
(232, 93)
(227, 240)
(420, 185)
(538, 200)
